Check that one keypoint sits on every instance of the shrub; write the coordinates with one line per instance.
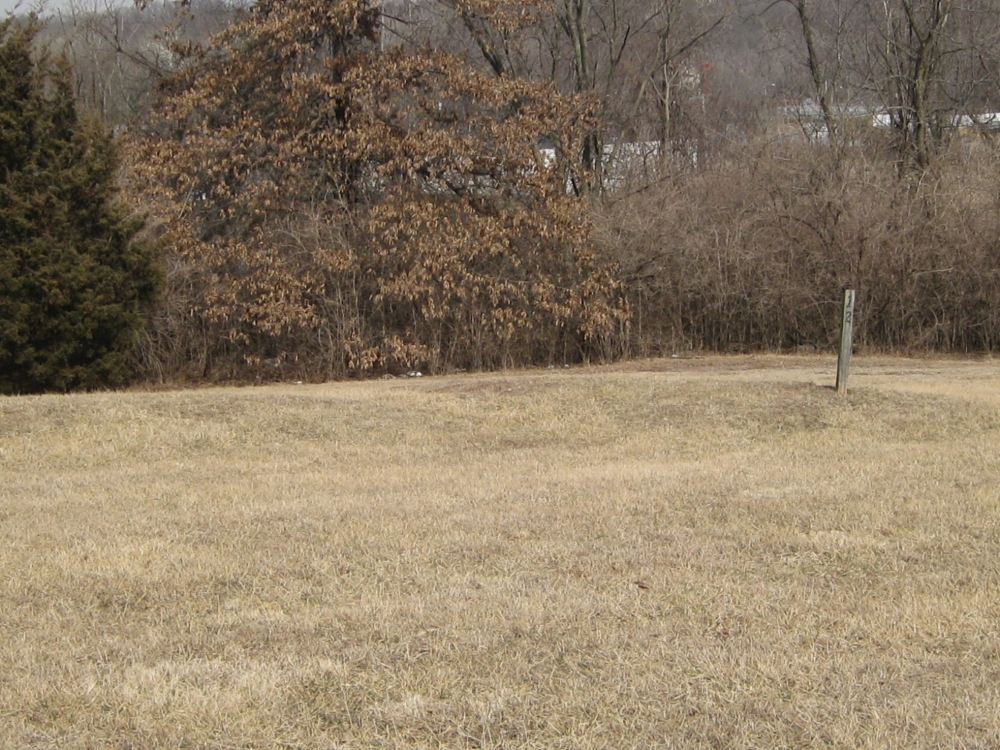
(73, 279)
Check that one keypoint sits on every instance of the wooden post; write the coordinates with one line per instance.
(846, 333)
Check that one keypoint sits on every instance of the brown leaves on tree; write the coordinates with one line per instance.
(359, 209)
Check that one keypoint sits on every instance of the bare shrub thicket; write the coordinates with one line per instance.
(754, 252)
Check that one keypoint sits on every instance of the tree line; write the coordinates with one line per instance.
(343, 187)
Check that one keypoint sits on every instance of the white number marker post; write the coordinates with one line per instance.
(846, 332)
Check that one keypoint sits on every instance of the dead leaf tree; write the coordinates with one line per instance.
(358, 209)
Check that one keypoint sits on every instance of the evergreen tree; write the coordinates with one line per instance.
(73, 279)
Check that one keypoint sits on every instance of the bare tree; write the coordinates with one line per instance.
(908, 49)
(635, 58)
(118, 53)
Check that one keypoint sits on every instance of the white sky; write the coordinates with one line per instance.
(50, 6)
(24, 6)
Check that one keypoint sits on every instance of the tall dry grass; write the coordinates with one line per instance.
(699, 554)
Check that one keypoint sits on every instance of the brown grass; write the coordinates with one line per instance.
(707, 553)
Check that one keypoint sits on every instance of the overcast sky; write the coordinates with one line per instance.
(24, 6)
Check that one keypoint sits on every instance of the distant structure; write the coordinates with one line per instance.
(805, 119)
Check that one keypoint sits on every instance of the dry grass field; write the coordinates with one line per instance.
(703, 553)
